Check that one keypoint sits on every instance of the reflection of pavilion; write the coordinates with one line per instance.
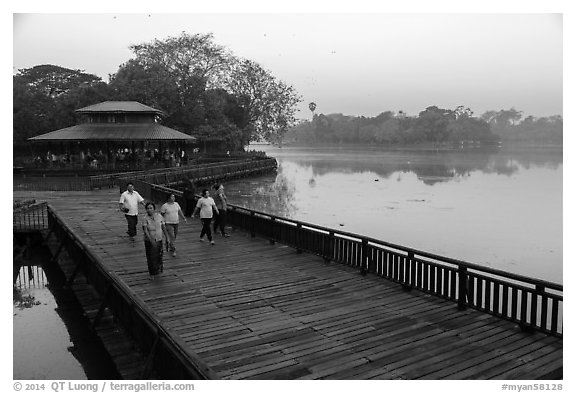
(114, 131)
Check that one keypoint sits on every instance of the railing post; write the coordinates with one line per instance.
(328, 247)
(409, 272)
(252, 223)
(298, 238)
(364, 257)
(540, 291)
(370, 259)
(272, 226)
(462, 290)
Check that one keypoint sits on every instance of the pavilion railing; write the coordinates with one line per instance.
(532, 303)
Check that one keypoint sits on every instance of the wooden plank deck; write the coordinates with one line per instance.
(252, 310)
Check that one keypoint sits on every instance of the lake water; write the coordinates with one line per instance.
(52, 338)
(497, 207)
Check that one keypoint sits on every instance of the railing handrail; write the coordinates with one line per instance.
(156, 171)
(414, 251)
(27, 217)
(196, 171)
(32, 206)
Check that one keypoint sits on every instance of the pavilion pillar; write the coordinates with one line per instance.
(108, 154)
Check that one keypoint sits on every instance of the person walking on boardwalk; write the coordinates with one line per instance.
(189, 194)
(129, 201)
(171, 211)
(154, 228)
(205, 206)
(222, 204)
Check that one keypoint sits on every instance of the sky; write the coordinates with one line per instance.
(354, 63)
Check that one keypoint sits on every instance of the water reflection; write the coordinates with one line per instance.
(51, 336)
(270, 193)
(499, 208)
(28, 279)
(430, 166)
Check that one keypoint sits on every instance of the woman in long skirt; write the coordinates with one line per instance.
(154, 228)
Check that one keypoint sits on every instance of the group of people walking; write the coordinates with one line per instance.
(163, 224)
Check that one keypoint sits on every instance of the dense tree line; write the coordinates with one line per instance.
(203, 89)
(432, 126)
(510, 126)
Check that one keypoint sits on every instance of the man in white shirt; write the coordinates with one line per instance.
(205, 206)
(129, 201)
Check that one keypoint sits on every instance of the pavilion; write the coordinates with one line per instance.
(113, 126)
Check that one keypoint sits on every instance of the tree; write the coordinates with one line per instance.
(508, 117)
(534, 130)
(433, 123)
(301, 132)
(389, 131)
(173, 75)
(45, 98)
(226, 118)
(460, 112)
(269, 103)
(383, 117)
(312, 107)
(323, 127)
(466, 128)
(54, 81)
(180, 72)
(194, 62)
(150, 85)
(502, 118)
(65, 105)
(31, 111)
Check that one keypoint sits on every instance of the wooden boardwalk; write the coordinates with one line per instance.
(252, 310)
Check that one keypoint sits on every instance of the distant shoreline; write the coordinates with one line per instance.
(423, 146)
